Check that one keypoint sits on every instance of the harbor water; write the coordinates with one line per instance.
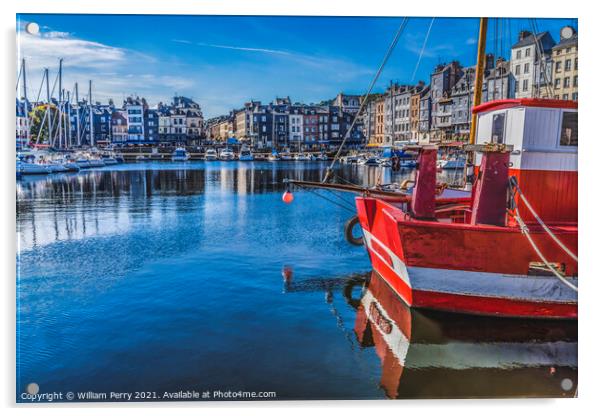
(162, 277)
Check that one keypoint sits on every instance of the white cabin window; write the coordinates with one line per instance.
(568, 133)
(498, 127)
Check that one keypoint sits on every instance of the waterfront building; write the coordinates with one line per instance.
(191, 125)
(101, 117)
(261, 128)
(220, 128)
(443, 79)
(178, 126)
(530, 64)
(461, 106)
(424, 118)
(119, 127)
(500, 83)
(415, 113)
(243, 123)
(134, 109)
(310, 128)
(151, 125)
(296, 127)
(164, 123)
(564, 65)
(22, 126)
(378, 138)
(347, 103)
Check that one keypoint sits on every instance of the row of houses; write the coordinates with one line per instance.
(283, 124)
(180, 122)
(441, 111)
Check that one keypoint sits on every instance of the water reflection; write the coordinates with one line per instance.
(429, 355)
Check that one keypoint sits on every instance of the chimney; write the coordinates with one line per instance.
(523, 34)
(489, 61)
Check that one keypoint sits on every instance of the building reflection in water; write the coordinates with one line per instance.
(435, 355)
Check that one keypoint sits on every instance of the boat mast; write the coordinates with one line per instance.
(78, 121)
(25, 104)
(91, 116)
(478, 92)
(49, 122)
(60, 103)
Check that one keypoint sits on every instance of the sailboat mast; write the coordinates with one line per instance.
(91, 116)
(476, 100)
(60, 103)
(78, 120)
(25, 104)
(48, 104)
(480, 71)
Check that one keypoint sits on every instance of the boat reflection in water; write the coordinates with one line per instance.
(436, 355)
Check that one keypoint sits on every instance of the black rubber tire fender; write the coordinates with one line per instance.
(349, 226)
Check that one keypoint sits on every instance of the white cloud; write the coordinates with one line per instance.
(116, 72)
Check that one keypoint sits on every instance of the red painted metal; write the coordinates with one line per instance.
(524, 102)
(423, 196)
(490, 194)
(553, 195)
(511, 308)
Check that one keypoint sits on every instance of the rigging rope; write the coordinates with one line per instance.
(400, 30)
(525, 230)
(426, 38)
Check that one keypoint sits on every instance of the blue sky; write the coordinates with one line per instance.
(223, 61)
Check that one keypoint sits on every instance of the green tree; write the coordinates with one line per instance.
(39, 123)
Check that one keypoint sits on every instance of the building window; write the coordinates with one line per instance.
(567, 65)
(518, 54)
(497, 129)
(527, 52)
(557, 83)
(575, 64)
(567, 82)
(525, 84)
(558, 66)
(574, 96)
(568, 134)
(527, 68)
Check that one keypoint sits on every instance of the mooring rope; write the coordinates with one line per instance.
(514, 189)
(525, 230)
(514, 185)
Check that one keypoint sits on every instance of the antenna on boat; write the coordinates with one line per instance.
(477, 96)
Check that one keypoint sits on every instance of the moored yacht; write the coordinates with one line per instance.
(227, 154)
(245, 155)
(210, 154)
(180, 155)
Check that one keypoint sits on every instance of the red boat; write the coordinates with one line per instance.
(507, 248)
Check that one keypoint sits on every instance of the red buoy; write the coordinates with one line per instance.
(287, 197)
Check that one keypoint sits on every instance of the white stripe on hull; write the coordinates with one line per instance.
(481, 284)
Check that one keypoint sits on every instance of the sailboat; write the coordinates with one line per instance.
(505, 245)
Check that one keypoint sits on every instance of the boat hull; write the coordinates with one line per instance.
(481, 270)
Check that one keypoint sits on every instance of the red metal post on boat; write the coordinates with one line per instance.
(490, 196)
(423, 195)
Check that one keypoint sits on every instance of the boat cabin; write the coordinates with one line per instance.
(543, 135)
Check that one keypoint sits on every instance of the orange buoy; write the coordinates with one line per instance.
(287, 197)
